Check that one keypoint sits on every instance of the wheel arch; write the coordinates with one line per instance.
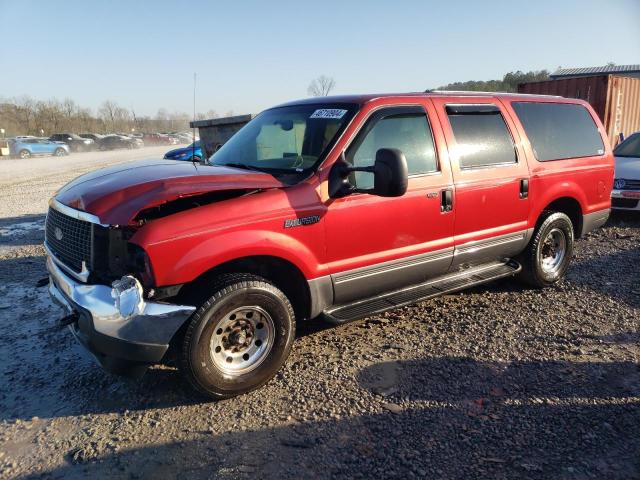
(571, 207)
(281, 272)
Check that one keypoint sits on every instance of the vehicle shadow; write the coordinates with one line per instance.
(447, 418)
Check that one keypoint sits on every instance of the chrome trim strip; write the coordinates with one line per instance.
(73, 213)
(448, 277)
(476, 245)
(83, 276)
(378, 278)
(392, 265)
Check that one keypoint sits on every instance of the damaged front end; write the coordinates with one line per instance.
(103, 281)
(98, 273)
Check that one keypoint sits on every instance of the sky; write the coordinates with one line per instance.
(249, 55)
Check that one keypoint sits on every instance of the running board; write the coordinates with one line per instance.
(424, 291)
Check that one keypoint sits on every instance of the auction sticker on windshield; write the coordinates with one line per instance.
(328, 113)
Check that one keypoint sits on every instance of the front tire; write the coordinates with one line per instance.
(546, 259)
(239, 338)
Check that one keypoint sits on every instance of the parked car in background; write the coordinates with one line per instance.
(156, 139)
(112, 142)
(177, 137)
(626, 186)
(28, 147)
(96, 137)
(192, 153)
(76, 142)
(187, 137)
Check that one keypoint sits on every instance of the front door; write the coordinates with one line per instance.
(491, 179)
(376, 244)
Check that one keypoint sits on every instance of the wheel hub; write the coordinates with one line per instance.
(553, 251)
(242, 340)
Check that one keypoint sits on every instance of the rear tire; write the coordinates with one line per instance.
(546, 259)
(24, 154)
(60, 152)
(239, 338)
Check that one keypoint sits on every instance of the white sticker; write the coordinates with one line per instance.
(328, 113)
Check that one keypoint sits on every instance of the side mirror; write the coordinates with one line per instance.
(390, 175)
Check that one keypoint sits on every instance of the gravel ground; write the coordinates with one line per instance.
(496, 382)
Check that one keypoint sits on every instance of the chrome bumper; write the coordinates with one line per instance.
(111, 325)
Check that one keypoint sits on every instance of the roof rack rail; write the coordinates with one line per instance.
(479, 93)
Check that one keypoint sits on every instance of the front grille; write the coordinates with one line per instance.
(624, 202)
(628, 184)
(72, 246)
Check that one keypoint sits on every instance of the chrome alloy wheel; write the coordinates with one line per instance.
(553, 251)
(242, 340)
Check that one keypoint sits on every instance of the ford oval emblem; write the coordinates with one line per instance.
(619, 184)
(58, 233)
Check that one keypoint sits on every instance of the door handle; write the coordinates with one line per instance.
(524, 188)
(446, 201)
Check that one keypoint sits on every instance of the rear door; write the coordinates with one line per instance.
(491, 177)
(377, 244)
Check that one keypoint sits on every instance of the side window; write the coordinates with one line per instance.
(404, 128)
(559, 130)
(482, 136)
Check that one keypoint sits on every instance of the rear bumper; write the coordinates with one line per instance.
(625, 199)
(123, 339)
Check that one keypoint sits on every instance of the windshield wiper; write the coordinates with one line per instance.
(254, 168)
(241, 165)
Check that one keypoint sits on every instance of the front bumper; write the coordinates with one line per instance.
(625, 199)
(123, 340)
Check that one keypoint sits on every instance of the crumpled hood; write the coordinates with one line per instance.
(628, 167)
(117, 194)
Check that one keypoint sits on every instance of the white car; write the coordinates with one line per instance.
(626, 184)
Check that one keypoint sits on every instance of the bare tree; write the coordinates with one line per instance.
(107, 113)
(321, 86)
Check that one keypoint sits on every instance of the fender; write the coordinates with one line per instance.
(548, 192)
(194, 259)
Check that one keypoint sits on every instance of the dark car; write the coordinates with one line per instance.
(111, 142)
(76, 142)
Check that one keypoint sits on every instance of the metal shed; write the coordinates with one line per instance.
(616, 99)
(216, 131)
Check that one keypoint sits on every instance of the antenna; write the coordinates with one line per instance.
(193, 143)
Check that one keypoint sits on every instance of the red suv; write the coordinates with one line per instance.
(335, 207)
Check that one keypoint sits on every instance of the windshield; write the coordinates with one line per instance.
(629, 148)
(286, 140)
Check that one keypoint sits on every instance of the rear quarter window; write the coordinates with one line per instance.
(559, 131)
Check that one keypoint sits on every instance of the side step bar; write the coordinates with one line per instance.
(417, 293)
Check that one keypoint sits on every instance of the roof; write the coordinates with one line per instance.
(364, 98)
(606, 70)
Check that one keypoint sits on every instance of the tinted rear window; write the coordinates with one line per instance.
(559, 130)
(482, 137)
